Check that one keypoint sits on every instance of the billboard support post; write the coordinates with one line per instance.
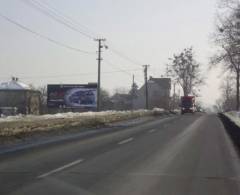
(99, 59)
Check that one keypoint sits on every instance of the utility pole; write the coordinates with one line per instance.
(146, 84)
(174, 95)
(99, 59)
(133, 83)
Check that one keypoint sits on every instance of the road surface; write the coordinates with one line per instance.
(182, 155)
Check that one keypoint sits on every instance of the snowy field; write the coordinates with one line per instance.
(21, 125)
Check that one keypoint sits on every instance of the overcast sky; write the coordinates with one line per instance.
(146, 31)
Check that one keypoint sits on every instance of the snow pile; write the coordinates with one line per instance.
(177, 111)
(159, 109)
(67, 115)
(234, 116)
(24, 125)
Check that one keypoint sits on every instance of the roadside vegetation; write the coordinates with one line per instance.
(227, 40)
(185, 71)
(19, 126)
(231, 122)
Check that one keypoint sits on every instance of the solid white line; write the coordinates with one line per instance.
(60, 168)
(152, 130)
(125, 141)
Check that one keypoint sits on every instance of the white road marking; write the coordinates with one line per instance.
(125, 141)
(152, 130)
(60, 168)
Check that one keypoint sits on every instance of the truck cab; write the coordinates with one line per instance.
(188, 104)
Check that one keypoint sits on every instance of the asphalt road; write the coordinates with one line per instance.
(183, 155)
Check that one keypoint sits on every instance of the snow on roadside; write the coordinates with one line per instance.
(26, 125)
(67, 115)
(234, 116)
(159, 109)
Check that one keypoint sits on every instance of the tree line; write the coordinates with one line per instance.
(227, 39)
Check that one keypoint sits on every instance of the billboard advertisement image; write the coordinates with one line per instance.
(72, 96)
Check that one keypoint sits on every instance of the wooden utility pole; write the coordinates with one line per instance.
(99, 59)
(132, 95)
(146, 85)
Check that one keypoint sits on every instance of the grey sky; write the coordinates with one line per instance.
(148, 31)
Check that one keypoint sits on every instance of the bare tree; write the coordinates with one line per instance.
(106, 103)
(43, 98)
(43, 94)
(133, 93)
(227, 101)
(218, 106)
(227, 38)
(186, 71)
(121, 90)
(225, 5)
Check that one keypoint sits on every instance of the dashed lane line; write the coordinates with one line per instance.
(60, 168)
(125, 141)
(152, 131)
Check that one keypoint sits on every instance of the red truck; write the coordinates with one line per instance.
(188, 104)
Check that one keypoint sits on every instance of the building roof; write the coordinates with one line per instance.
(163, 82)
(14, 84)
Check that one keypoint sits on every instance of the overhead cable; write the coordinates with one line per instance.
(55, 16)
(70, 75)
(58, 16)
(44, 36)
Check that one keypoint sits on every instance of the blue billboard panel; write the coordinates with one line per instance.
(72, 96)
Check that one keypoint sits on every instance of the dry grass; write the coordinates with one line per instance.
(26, 126)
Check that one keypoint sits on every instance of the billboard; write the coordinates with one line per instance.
(72, 96)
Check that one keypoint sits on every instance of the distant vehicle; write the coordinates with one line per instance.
(188, 104)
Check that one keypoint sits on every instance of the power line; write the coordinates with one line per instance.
(54, 13)
(124, 56)
(55, 16)
(115, 67)
(44, 36)
(121, 70)
(73, 21)
(68, 75)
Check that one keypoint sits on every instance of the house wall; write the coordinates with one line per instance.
(26, 101)
(159, 96)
